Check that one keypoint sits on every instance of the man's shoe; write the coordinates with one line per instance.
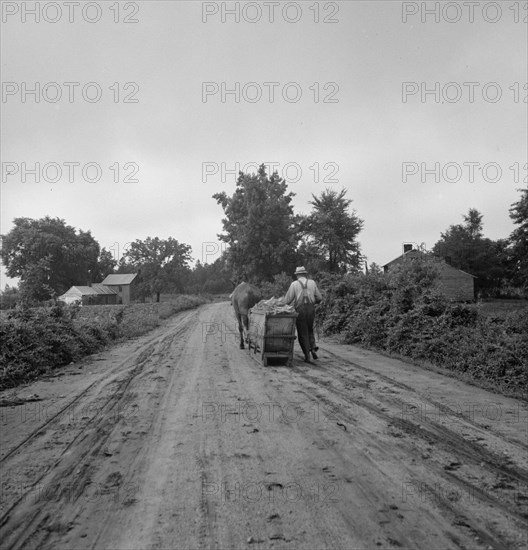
(314, 355)
(307, 359)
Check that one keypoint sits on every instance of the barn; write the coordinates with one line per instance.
(120, 284)
(115, 289)
(457, 284)
(89, 295)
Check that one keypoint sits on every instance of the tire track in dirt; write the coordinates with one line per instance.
(433, 435)
(464, 531)
(51, 420)
(167, 464)
(76, 458)
(148, 458)
(440, 434)
(440, 409)
(395, 535)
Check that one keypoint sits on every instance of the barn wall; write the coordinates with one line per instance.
(123, 295)
(456, 284)
(126, 294)
(458, 287)
(99, 299)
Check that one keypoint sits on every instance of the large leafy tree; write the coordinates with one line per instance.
(259, 226)
(330, 233)
(465, 247)
(212, 278)
(105, 265)
(162, 265)
(518, 240)
(49, 256)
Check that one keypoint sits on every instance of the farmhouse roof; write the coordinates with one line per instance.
(412, 252)
(461, 270)
(418, 253)
(119, 279)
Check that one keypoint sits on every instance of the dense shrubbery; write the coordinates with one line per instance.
(404, 312)
(38, 340)
(9, 297)
(278, 287)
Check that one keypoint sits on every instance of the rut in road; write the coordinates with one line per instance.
(456, 463)
(197, 445)
(47, 487)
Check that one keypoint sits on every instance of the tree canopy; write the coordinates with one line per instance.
(259, 226)
(465, 247)
(330, 232)
(211, 278)
(518, 240)
(50, 256)
(162, 265)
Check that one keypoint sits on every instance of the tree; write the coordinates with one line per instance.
(9, 297)
(473, 225)
(331, 231)
(465, 247)
(105, 265)
(259, 226)
(309, 253)
(211, 278)
(162, 265)
(48, 256)
(518, 240)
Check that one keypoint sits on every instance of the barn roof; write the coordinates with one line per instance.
(445, 265)
(412, 252)
(119, 279)
(417, 253)
(103, 289)
(94, 290)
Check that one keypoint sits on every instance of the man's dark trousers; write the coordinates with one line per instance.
(305, 324)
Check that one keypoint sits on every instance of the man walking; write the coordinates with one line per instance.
(304, 294)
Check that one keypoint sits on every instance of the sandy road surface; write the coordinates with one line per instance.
(179, 441)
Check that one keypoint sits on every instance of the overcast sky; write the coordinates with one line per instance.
(348, 110)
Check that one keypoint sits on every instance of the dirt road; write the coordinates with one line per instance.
(180, 440)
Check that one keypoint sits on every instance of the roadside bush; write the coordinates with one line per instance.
(9, 297)
(34, 340)
(280, 285)
(370, 327)
(405, 312)
(38, 340)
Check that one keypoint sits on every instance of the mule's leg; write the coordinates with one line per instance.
(245, 324)
(241, 330)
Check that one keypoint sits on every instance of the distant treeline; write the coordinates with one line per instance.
(264, 239)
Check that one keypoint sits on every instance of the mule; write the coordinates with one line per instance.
(244, 297)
